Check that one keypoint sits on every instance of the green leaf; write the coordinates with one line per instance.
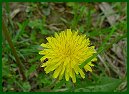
(59, 84)
(31, 69)
(21, 30)
(5, 69)
(77, 16)
(44, 79)
(26, 87)
(39, 25)
(104, 84)
(45, 32)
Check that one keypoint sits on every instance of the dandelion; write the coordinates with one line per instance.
(65, 52)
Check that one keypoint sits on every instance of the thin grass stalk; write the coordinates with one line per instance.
(7, 37)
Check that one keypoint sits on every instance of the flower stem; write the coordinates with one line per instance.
(7, 36)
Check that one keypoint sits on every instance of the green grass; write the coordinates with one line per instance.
(29, 28)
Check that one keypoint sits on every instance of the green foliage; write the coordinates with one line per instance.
(41, 20)
(26, 87)
(103, 84)
(38, 24)
(21, 30)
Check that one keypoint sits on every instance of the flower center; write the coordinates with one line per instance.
(67, 52)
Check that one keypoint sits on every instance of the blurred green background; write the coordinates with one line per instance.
(30, 23)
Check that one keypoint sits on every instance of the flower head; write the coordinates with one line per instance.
(65, 52)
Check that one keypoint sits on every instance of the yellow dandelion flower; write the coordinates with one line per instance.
(65, 52)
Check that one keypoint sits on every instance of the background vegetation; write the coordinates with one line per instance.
(30, 23)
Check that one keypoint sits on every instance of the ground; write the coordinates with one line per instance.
(28, 24)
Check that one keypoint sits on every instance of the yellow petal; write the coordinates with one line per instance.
(52, 65)
(43, 52)
(73, 76)
(90, 64)
(44, 64)
(69, 33)
(43, 58)
(73, 63)
(56, 35)
(44, 45)
(77, 69)
(67, 73)
(57, 71)
(94, 59)
(82, 73)
(87, 68)
(62, 72)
